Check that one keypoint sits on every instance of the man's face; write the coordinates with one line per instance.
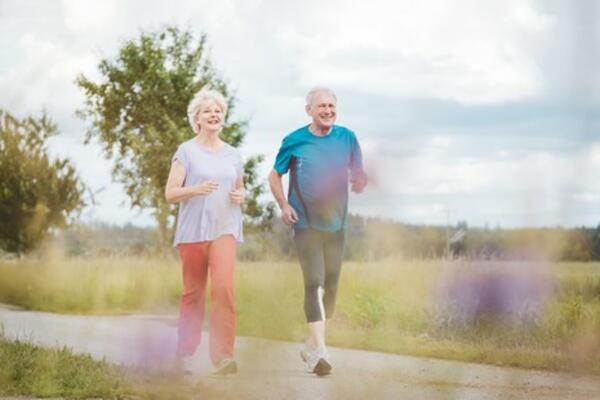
(322, 110)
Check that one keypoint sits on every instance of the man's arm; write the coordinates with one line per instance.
(288, 214)
(358, 177)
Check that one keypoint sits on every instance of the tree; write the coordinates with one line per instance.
(36, 194)
(596, 244)
(138, 113)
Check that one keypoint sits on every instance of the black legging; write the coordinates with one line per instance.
(320, 254)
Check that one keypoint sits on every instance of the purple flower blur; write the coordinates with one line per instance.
(493, 292)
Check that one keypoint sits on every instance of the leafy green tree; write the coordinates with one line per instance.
(36, 193)
(138, 112)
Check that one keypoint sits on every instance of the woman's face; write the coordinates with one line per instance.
(210, 116)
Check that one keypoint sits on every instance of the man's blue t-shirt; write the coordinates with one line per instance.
(319, 167)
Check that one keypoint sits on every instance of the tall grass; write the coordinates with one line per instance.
(393, 306)
(56, 372)
(40, 372)
(96, 286)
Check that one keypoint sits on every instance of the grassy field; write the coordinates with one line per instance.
(530, 315)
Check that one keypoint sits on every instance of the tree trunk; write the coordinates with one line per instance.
(165, 230)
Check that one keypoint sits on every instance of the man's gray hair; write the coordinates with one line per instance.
(318, 89)
(204, 95)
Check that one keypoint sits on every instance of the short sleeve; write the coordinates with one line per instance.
(180, 155)
(282, 161)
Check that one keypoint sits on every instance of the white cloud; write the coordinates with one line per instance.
(382, 54)
(441, 140)
(594, 154)
(84, 16)
(429, 213)
(44, 79)
(587, 197)
(527, 188)
(529, 19)
(472, 52)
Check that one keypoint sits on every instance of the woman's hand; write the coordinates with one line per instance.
(205, 188)
(237, 196)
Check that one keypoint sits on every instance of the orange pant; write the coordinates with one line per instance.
(198, 260)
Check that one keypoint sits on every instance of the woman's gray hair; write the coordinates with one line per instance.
(318, 89)
(200, 98)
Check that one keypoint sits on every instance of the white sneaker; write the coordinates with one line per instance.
(317, 360)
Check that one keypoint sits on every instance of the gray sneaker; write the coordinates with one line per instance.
(226, 366)
(317, 360)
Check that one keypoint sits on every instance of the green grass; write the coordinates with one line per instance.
(51, 373)
(98, 286)
(58, 373)
(387, 306)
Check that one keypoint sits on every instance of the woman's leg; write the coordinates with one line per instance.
(221, 264)
(191, 310)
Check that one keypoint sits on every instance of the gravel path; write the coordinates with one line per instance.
(273, 370)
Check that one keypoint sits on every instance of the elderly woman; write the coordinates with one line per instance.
(206, 179)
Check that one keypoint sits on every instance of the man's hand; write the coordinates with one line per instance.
(237, 196)
(359, 182)
(288, 214)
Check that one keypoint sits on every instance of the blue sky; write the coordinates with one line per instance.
(479, 111)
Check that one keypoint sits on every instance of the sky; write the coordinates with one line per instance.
(478, 111)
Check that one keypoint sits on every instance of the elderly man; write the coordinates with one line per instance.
(322, 158)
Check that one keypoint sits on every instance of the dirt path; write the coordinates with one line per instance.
(273, 370)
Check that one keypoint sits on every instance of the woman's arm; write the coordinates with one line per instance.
(238, 194)
(176, 193)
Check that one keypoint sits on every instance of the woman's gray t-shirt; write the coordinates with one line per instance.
(203, 218)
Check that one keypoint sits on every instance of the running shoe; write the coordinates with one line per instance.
(317, 360)
(226, 366)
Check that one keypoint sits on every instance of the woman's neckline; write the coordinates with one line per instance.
(208, 149)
